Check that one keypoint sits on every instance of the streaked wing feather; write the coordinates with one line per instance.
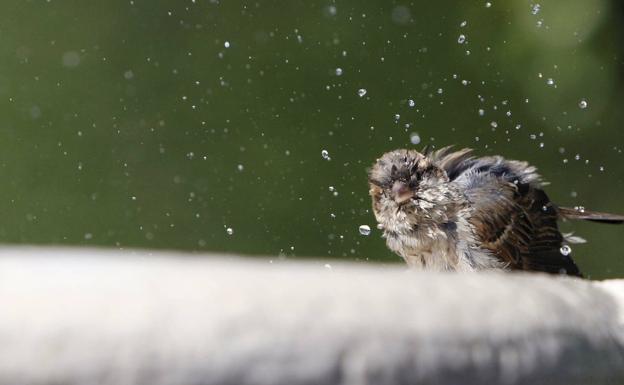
(453, 162)
(519, 226)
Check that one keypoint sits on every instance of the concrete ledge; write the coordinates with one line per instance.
(79, 316)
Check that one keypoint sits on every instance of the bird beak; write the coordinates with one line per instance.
(401, 192)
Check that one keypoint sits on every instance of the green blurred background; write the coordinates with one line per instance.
(160, 124)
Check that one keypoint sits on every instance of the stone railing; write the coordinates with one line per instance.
(81, 316)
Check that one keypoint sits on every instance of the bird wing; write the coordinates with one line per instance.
(517, 223)
(451, 161)
(512, 216)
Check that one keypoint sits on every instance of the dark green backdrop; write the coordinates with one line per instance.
(159, 124)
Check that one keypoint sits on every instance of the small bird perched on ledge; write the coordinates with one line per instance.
(448, 210)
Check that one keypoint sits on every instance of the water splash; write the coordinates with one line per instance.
(364, 230)
(583, 104)
(565, 250)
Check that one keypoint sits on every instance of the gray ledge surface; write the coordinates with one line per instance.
(84, 316)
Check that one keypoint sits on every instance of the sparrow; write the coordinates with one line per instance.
(449, 210)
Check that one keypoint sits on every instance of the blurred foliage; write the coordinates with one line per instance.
(159, 124)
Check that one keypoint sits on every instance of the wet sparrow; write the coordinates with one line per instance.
(450, 210)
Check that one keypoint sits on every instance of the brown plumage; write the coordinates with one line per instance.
(450, 210)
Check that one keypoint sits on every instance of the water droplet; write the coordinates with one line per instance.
(327, 266)
(35, 112)
(338, 71)
(325, 155)
(71, 59)
(229, 231)
(364, 230)
(397, 117)
(535, 9)
(226, 44)
(488, 4)
(414, 138)
(361, 92)
(240, 167)
(493, 124)
(463, 23)
(565, 250)
(411, 103)
(550, 82)
(481, 112)
(580, 209)
(461, 39)
(583, 104)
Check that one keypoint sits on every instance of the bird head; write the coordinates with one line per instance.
(399, 178)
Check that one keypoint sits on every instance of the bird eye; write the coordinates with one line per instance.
(413, 182)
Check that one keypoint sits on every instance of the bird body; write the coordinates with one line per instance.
(448, 210)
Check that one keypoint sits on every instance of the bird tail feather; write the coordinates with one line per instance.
(587, 215)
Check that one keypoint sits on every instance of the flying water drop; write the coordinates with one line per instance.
(364, 229)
